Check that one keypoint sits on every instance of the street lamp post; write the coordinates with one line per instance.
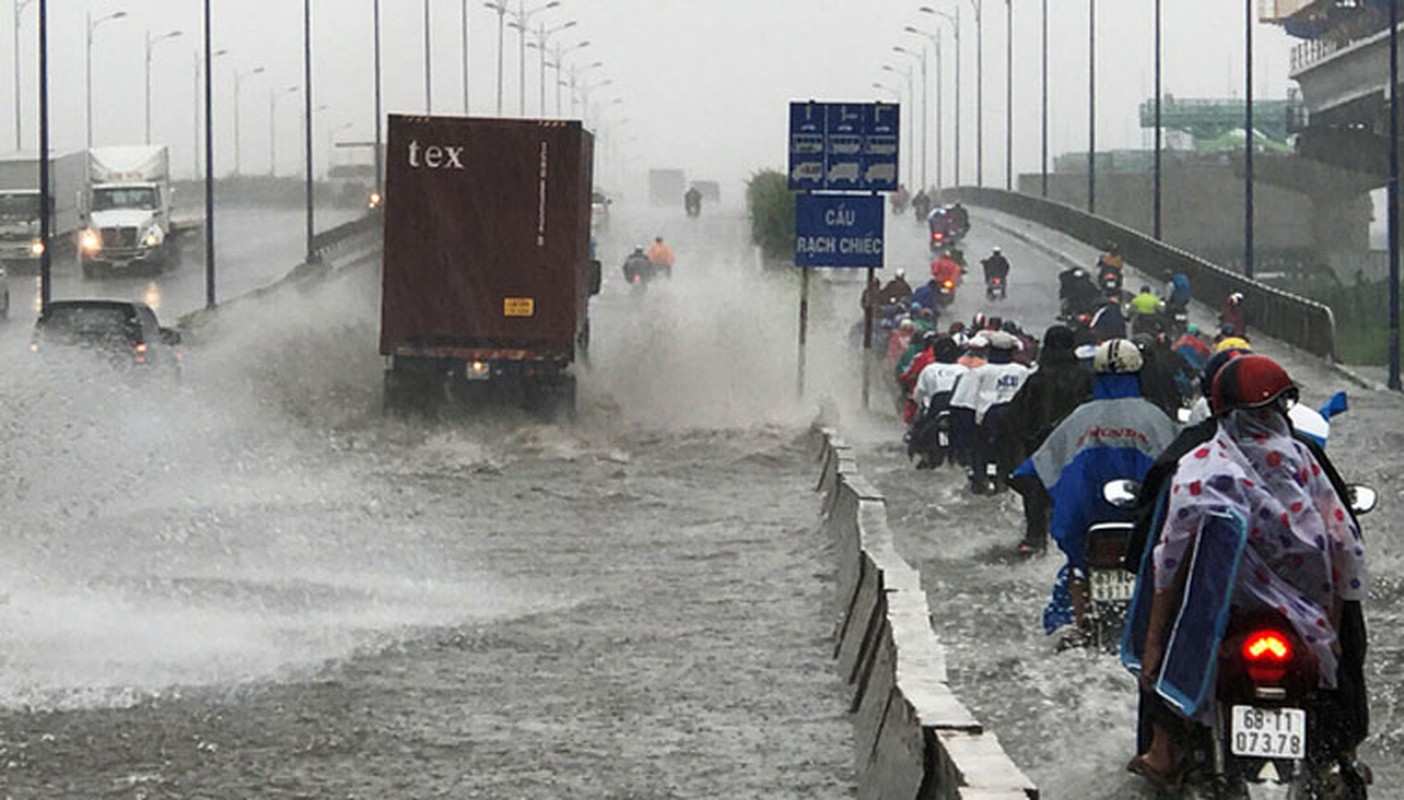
(935, 39)
(199, 70)
(20, 6)
(925, 90)
(273, 95)
(151, 44)
(1155, 199)
(543, 34)
(1248, 138)
(574, 77)
(911, 97)
(46, 257)
(501, 8)
(559, 54)
(1392, 196)
(308, 185)
(1092, 106)
(428, 58)
(379, 133)
(1043, 112)
(1009, 95)
(955, 23)
(238, 78)
(521, 18)
(463, 48)
(979, 94)
(88, 75)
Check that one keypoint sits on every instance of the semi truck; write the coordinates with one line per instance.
(486, 276)
(20, 221)
(127, 214)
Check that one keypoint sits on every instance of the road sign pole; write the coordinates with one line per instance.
(868, 330)
(803, 325)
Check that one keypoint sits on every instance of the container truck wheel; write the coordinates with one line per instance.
(410, 389)
(551, 399)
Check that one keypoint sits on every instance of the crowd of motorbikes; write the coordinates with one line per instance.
(1255, 721)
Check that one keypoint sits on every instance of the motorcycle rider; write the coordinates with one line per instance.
(1304, 555)
(1145, 312)
(1110, 269)
(923, 356)
(899, 200)
(1079, 295)
(897, 290)
(933, 397)
(1109, 322)
(1234, 317)
(662, 256)
(692, 201)
(996, 266)
(960, 218)
(1117, 434)
(978, 408)
(921, 205)
(637, 266)
(1059, 385)
(1177, 291)
(945, 271)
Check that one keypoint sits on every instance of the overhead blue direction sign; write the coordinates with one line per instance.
(843, 146)
(806, 146)
(838, 231)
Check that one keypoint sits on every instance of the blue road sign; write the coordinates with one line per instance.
(838, 230)
(843, 146)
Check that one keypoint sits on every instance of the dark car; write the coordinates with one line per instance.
(125, 332)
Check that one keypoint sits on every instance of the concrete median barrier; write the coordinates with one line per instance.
(913, 738)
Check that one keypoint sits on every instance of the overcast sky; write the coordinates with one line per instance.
(702, 85)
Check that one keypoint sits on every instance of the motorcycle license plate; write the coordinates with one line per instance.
(1112, 585)
(1268, 732)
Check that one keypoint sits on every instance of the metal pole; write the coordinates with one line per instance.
(925, 91)
(957, 96)
(307, 111)
(237, 79)
(46, 257)
(379, 148)
(803, 324)
(979, 95)
(868, 336)
(87, 79)
(428, 57)
(272, 134)
(148, 88)
(1043, 169)
(209, 166)
(18, 121)
(1008, 96)
(940, 120)
(542, 52)
(1092, 106)
(196, 142)
(1155, 204)
(1248, 140)
(1393, 193)
(501, 12)
(464, 40)
(521, 58)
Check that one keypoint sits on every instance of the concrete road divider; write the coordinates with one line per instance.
(913, 738)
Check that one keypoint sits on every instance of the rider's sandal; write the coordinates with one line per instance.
(1165, 780)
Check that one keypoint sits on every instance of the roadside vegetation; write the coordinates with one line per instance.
(1361, 310)
(771, 207)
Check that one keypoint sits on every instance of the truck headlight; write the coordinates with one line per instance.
(90, 241)
(154, 237)
(36, 248)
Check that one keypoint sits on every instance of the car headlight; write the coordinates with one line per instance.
(36, 247)
(374, 200)
(154, 237)
(90, 241)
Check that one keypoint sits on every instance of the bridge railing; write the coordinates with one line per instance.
(333, 239)
(1300, 322)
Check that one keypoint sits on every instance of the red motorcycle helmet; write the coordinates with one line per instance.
(1252, 381)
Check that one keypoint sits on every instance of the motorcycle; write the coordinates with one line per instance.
(930, 436)
(945, 293)
(1269, 734)
(1110, 280)
(1110, 585)
(995, 288)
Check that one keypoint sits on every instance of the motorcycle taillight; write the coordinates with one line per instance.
(1267, 653)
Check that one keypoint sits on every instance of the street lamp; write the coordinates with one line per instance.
(542, 34)
(501, 8)
(911, 97)
(574, 76)
(20, 6)
(238, 78)
(559, 53)
(955, 23)
(273, 95)
(151, 44)
(521, 17)
(585, 90)
(93, 25)
(463, 47)
(979, 94)
(1009, 95)
(935, 39)
(379, 132)
(1092, 106)
(428, 58)
(199, 69)
(1248, 138)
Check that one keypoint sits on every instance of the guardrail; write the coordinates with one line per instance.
(1300, 322)
(914, 740)
(333, 239)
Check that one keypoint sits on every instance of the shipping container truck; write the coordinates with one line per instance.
(487, 275)
(666, 187)
(20, 245)
(128, 211)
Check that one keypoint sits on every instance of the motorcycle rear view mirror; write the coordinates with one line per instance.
(1362, 498)
(1121, 493)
